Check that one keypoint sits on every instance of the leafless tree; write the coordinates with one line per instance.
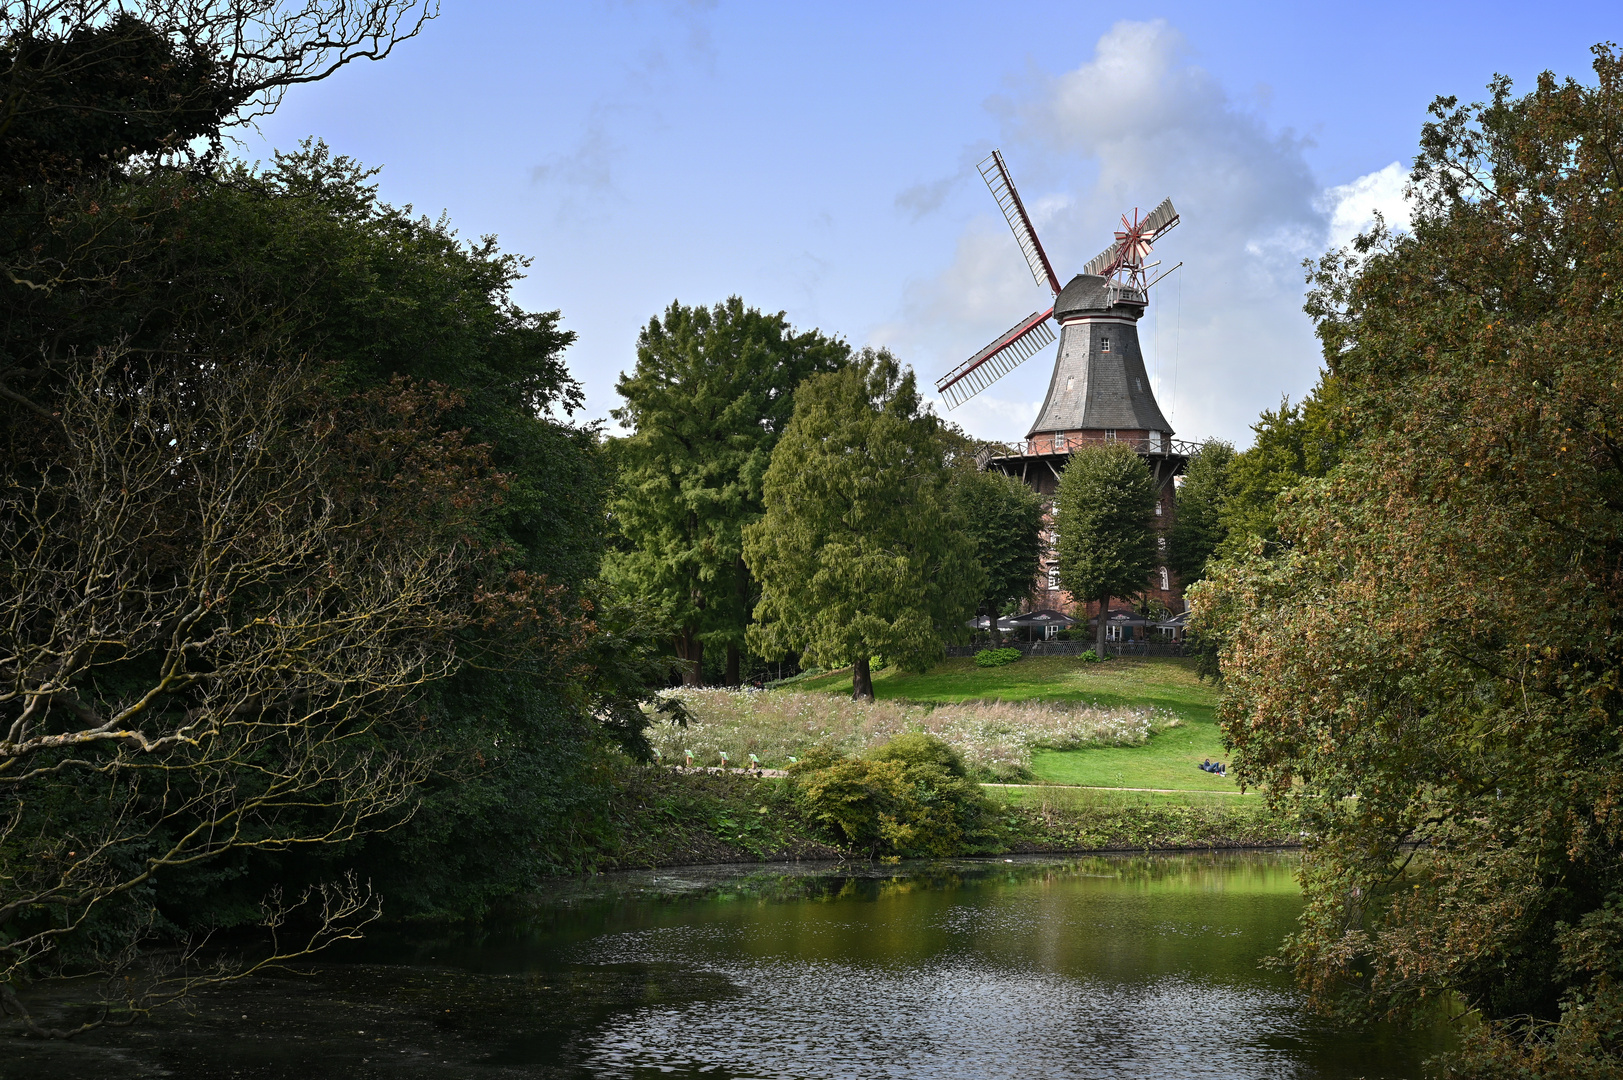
(211, 635)
(255, 49)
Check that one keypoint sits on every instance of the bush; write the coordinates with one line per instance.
(911, 797)
(997, 657)
(1091, 657)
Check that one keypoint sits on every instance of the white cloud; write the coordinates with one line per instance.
(1134, 123)
(1352, 207)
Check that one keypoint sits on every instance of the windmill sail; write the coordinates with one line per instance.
(1133, 242)
(996, 360)
(996, 175)
(1161, 219)
(1102, 263)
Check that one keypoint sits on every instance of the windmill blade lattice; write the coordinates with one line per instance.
(996, 175)
(1101, 263)
(1161, 219)
(1133, 242)
(989, 365)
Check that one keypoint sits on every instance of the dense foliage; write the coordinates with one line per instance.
(859, 553)
(1004, 517)
(711, 395)
(1290, 444)
(1103, 515)
(1197, 530)
(300, 544)
(1436, 632)
(909, 798)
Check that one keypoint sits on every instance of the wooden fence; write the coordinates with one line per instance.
(1077, 648)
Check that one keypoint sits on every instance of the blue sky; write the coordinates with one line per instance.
(819, 159)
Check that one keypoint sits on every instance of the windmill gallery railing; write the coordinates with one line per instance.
(1065, 443)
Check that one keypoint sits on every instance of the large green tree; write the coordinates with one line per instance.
(859, 553)
(710, 397)
(1004, 518)
(1429, 673)
(1290, 444)
(1103, 513)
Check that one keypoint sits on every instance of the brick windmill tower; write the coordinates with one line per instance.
(1099, 391)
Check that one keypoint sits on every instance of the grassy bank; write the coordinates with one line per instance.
(1157, 682)
(668, 818)
(1166, 685)
(1080, 819)
(671, 818)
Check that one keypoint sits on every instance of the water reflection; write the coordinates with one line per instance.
(1088, 967)
(1083, 967)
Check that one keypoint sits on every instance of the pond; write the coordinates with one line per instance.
(1107, 966)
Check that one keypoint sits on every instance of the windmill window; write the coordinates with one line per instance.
(1070, 381)
(1110, 435)
(1053, 577)
(1138, 384)
(1166, 582)
(1104, 343)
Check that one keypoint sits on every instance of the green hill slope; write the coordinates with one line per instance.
(1168, 761)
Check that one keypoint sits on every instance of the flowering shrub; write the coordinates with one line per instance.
(995, 738)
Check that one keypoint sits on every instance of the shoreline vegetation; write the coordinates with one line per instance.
(668, 817)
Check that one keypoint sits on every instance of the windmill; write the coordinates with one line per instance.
(1112, 287)
(1099, 391)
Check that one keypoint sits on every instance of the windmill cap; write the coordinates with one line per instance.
(1090, 293)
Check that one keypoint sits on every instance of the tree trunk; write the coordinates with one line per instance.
(861, 680)
(691, 650)
(1104, 614)
(991, 623)
(731, 678)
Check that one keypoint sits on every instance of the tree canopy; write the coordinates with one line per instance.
(1004, 518)
(302, 543)
(1292, 443)
(1103, 515)
(711, 395)
(859, 553)
(1198, 531)
(1438, 633)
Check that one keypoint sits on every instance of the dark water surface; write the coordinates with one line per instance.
(1080, 967)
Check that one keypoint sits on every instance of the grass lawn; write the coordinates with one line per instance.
(1059, 818)
(1085, 798)
(1168, 760)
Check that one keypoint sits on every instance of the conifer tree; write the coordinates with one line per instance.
(711, 394)
(1198, 530)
